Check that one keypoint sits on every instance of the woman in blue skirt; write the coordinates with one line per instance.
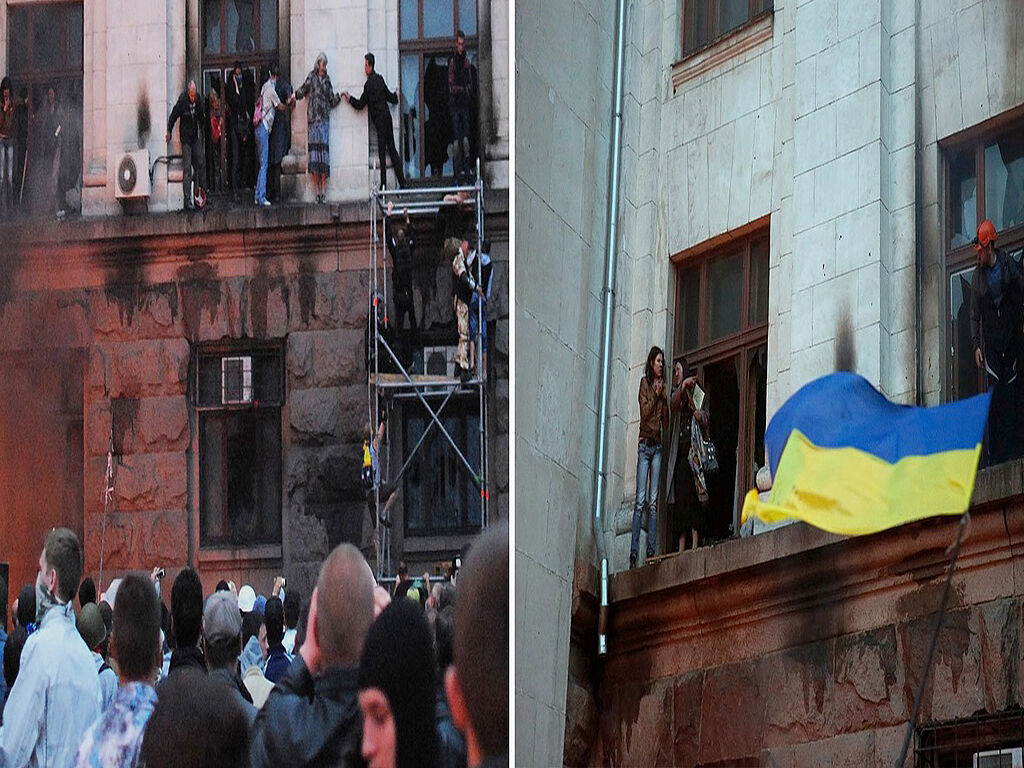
(322, 99)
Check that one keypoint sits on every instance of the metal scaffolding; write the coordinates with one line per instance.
(426, 389)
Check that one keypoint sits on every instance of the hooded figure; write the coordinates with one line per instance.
(396, 690)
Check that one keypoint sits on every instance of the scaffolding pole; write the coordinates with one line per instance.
(420, 201)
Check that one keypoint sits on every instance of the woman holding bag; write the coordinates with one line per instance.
(686, 491)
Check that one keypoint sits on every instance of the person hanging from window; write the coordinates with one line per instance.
(240, 125)
(374, 483)
(653, 418)
(461, 102)
(6, 145)
(684, 491)
(322, 99)
(377, 97)
(189, 108)
(401, 242)
(997, 301)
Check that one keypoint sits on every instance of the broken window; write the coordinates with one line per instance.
(427, 31)
(721, 329)
(705, 23)
(239, 393)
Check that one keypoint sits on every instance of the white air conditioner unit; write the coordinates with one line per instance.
(440, 361)
(132, 180)
(236, 380)
(1000, 758)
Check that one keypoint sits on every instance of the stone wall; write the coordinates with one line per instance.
(800, 648)
(125, 315)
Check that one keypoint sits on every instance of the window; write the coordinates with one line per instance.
(238, 396)
(440, 494)
(45, 44)
(707, 21)
(987, 741)
(721, 329)
(984, 180)
(426, 43)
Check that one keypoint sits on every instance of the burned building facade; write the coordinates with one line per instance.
(800, 183)
(211, 369)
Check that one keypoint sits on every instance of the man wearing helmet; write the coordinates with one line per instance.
(997, 299)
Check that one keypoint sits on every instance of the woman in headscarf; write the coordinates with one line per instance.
(396, 690)
(322, 99)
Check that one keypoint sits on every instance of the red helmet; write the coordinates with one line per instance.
(986, 234)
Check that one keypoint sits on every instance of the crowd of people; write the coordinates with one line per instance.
(246, 126)
(354, 675)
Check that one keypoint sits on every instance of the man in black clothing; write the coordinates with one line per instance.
(190, 109)
(186, 623)
(460, 96)
(997, 301)
(312, 715)
(222, 638)
(377, 96)
(401, 242)
(239, 123)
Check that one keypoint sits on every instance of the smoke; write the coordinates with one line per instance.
(846, 348)
(143, 120)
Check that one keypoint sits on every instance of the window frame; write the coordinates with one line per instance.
(963, 257)
(217, 551)
(424, 48)
(709, 36)
(464, 408)
(747, 343)
(223, 59)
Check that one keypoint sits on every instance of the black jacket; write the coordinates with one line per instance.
(239, 105)
(376, 96)
(310, 722)
(401, 254)
(999, 325)
(186, 658)
(451, 743)
(192, 118)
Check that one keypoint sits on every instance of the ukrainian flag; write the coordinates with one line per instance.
(849, 461)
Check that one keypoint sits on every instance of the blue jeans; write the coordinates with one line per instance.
(263, 147)
(474, 308)
(648, 475)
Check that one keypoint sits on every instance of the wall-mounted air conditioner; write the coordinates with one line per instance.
(132, 180)
(1012, 757)
(440, 361)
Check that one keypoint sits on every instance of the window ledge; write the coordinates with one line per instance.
(240, 556)
(743, 39)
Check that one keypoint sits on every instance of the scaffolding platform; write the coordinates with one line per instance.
(427, 389)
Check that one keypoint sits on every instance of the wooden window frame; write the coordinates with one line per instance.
(423, 48)
(224, 60)
(744, 343)
(962, 257)
(709, 36)
(219, 350)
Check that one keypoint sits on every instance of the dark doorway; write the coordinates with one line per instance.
(721, 380)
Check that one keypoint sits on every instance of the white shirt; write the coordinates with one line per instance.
(270, 102)
(288, 641)
(55, 698)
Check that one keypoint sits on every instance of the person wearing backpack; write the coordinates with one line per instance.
(189, 108)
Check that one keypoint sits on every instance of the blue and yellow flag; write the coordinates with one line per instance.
(848, 460)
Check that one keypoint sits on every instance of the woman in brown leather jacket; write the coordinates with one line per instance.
(653, 418)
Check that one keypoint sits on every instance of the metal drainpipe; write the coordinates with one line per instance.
(611, 234)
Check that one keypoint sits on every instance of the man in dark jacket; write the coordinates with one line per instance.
(186, 623)
(312, 715)
(280, 138)
(997, 300)
(401, 242)
(239, 123)
(377, 96)
(460, 95)
(222, 638)
(190, 109)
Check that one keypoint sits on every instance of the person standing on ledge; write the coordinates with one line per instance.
(377, 96)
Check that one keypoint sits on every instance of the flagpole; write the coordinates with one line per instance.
(935, 637)
(108, 493)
